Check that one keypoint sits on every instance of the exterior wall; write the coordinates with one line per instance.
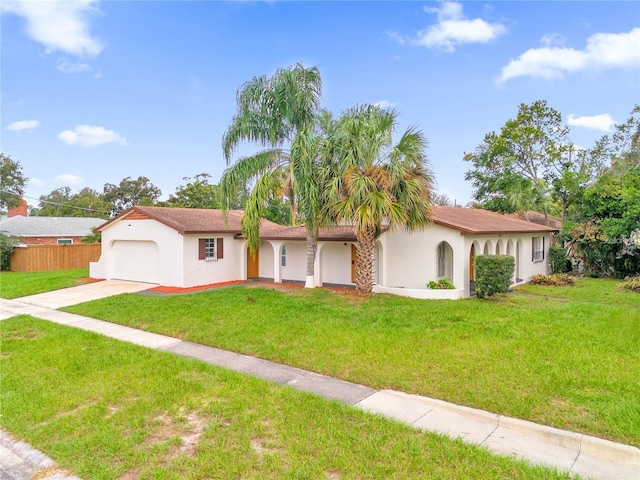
(170, 245)
(47, 240)
(410, 259)
(514, 245)
(335, 262)
(203, 272)
(265, 266)
(296, 268)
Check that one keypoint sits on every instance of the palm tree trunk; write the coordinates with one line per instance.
(312, 245)
(364, 260)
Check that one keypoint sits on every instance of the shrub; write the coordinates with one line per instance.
(6, 250)
(554, 280)
(493, 274)
(558, 259)
(442, 284)
(630, 283)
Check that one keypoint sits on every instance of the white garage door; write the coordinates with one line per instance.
(136, 261)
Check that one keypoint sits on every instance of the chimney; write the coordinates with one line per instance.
(19, 210)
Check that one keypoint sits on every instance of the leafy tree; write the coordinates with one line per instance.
(442, 200)
(7, 243)
(279, 112)
(197, 193)
(61, 203)
(12, 182)
(519, 159)
(622, 149)
(377, 182)
(131, 192)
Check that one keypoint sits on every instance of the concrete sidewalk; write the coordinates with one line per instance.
(584, 455)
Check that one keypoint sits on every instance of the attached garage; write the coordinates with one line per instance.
(135, 260)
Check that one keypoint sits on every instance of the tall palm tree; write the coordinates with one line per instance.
(377, 183)
(280, 113)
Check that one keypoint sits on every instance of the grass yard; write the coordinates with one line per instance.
(592, 290)
(571, 364)
(21, 284)
(105, 409)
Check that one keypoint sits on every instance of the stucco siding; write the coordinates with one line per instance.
(410, 259)
(335, 262)
(296, 268)
(203, 272)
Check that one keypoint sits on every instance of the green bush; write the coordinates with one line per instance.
(442, 284)
(493, 274)
(630, 283)
(554, 280)
(558, 259)
(6, 250)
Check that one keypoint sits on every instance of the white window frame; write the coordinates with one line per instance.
(537, 249)
(210, 250)
(283, 256)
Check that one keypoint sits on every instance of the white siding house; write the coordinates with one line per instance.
(191, 247)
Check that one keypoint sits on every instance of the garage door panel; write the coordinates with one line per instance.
(137, 261)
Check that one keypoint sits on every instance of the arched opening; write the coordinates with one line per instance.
(487, 248)
(444, 264)
(499, 247)
(518, 257)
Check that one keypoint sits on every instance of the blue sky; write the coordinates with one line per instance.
(96, 91)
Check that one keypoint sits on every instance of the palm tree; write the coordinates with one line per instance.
(278, 113)
(377, 183)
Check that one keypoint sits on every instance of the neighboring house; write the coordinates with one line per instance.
(46, 230)
(190, 247)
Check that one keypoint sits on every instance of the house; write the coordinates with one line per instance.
(46, 230)
(190, 247)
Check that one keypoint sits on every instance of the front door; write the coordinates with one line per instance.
(354, 259)
(472, 272)
(252, 264)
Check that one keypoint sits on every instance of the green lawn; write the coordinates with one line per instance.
(592, 290)
(105, 409)
(20, 284)
(570, 364)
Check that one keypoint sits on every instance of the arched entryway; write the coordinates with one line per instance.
(444, 264)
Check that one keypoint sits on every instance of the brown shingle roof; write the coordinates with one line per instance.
(468, 221)
(475, 221)
(188, 220)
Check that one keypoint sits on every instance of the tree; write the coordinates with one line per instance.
(61, 203)
(12, 182)
(197, 193)
(377, 182)
(279, 112)
(131, 192)
(524, 154)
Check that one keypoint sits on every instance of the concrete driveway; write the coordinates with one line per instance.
(84, 293)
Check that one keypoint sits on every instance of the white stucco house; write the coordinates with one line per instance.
(181, 247)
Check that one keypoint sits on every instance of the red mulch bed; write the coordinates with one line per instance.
(162, 289)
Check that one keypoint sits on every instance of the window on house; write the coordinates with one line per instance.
(210, 249)
(65, 241)
(537, 249)
(283, 256)
(441, 260)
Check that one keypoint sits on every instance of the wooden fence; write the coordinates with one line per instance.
(39, 258)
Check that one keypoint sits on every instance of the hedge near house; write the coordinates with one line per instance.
(558, 259)
(493, 274)
(6, 250)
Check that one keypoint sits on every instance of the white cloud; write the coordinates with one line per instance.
(90, 136)
(66, 66)
(603, 51)
(69, 179)
(385, 104)
(36, 182)
(454, 29)
(23, 125)
(602, 122)
(58, 24)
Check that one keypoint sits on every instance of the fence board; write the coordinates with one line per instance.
(39, 258)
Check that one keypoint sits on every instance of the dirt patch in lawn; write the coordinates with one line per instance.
(187, 426)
